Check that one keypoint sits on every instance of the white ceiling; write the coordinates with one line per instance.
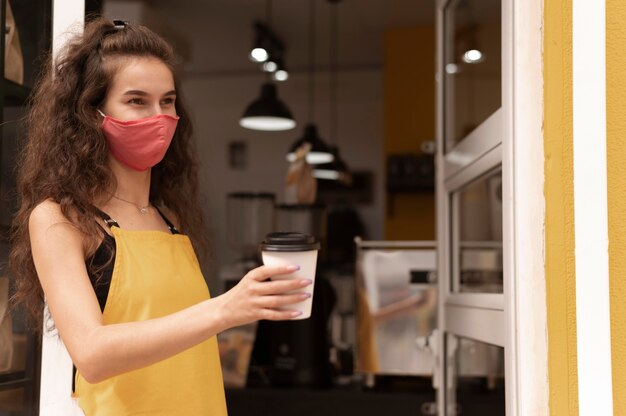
(218, 33)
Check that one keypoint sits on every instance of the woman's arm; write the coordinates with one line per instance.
(102, 351)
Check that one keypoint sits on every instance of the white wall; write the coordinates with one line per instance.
(217, 103)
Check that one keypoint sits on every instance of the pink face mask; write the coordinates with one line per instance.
(139, 144)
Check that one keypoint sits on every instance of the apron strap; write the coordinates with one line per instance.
(107, 219)
(111, 222)
(171, 226)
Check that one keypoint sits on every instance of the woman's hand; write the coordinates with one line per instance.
(101, 351)
(257, 297)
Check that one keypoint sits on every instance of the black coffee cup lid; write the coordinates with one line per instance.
(289, 241)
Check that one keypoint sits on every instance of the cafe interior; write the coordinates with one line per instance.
(316, 116)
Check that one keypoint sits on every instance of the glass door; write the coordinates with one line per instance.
(27, 28)
(471, 136)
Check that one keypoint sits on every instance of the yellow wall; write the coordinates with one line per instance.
(616, 184)
(559, 194)
(560, 273)
(409, 120)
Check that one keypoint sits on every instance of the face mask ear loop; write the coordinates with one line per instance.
(101, 113)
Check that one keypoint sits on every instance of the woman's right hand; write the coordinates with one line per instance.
(256, 297)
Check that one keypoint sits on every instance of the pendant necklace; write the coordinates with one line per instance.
(142, 210)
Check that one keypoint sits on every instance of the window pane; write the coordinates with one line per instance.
(398, 310)
(17, 355)
(12, 402)
(477, 236)
(12, 128)
(474, 378)
(27, 34)
(472, 66)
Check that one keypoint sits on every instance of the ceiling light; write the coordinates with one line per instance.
(473, 56)
(337, 170)
(270, 66)
(267, 113)
(259, 55)
(319, 153)
(281, 75)
(328, 174)
(452, 69)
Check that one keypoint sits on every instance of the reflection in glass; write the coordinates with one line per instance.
(472, 66)
(6, 328)
(12, 342)
(12, 128)
(477, 236)
(13, 337)
(398, 298)
(474, 378)
(27, 35)
(12, 402)
(17, 345)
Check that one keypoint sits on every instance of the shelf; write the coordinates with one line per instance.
(12, 379)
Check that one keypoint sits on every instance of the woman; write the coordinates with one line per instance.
(107, 179)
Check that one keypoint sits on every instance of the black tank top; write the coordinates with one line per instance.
(106, 251)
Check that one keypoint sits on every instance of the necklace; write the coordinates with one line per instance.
(142, 210)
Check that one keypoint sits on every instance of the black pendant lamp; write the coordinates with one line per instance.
(267, 113)
(320, 152)
(337, 169)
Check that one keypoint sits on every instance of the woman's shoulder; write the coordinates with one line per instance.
(47, 213)
(48, 216)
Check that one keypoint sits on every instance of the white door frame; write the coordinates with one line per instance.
(519, 315)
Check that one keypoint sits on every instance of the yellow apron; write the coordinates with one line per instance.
(156, 274)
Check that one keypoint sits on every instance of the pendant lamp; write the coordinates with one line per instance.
(320, 152)
(337, 169)
(267, 113)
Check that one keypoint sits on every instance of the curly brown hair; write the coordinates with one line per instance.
(64, 157)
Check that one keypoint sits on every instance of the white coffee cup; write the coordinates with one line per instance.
(293, 248)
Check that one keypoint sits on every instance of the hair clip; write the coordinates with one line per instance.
(120, 24)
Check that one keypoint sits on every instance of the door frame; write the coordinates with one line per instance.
(522, 307)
